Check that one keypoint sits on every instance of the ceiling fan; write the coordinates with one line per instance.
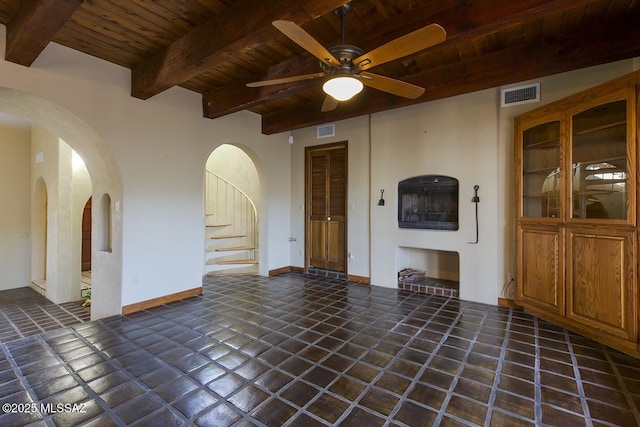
(345, 65)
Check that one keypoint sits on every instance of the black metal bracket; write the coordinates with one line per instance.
(475, 199)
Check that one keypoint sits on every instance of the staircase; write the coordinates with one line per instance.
(231, 230)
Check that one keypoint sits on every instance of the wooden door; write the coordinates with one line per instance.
(86, 237)
(600, 279)
(541, 272)
(326, 206)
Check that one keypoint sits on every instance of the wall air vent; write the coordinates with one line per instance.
(326, 131)
(520, 95)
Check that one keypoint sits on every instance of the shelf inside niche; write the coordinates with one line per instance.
(541, 170)
(602, 160)
(600, 128)
(540, 196)
(543, 145)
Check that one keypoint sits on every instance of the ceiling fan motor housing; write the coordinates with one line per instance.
(344, 53)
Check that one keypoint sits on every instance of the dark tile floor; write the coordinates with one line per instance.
(24, 312)
(298, 350)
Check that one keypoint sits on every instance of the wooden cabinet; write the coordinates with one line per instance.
(577, 239)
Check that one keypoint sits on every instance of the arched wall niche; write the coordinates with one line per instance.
(105, 242)
(106, 179)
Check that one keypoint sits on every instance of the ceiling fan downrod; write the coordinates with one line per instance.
(342, 12)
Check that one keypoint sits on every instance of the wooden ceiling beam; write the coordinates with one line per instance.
(232, 98)
(237, 29)
(34, 26)
(593, 46)
(471, 19)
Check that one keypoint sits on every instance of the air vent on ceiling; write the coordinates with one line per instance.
(326, 131)
(520, 95)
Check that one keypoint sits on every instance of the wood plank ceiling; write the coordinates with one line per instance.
(215, 47)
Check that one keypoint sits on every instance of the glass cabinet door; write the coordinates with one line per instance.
(599, 162)
(541, 173)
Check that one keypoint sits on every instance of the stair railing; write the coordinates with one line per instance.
(229, 204)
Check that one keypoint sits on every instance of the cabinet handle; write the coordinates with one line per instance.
(328, 218)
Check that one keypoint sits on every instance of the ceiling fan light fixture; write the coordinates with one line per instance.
(342, 88)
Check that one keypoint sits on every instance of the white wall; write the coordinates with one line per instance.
(15, 198)
(469, 137)
(149, 156)
(456, 137)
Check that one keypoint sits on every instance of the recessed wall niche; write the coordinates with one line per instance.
(428, 271)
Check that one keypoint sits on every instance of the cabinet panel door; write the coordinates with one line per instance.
(601, 160)
(318, 243)
(601, 280)
(541, 272)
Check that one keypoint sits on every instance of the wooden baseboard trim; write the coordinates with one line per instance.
(287, 269)
(506, 302)
(359, 279)
(155, 302)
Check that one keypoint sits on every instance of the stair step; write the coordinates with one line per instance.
(228, 236)
(218, 225)
(238, 261)
(235, 248)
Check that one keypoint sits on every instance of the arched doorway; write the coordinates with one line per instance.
(51, 260)
(85, 260)
(232, 203)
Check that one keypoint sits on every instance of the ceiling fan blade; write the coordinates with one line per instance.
(393, 86)
(329, 104)
(402, 46)
(285, 80)
(306, 41)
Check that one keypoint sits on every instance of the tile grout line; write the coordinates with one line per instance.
(498, 371)
(537, 376)
(126, 372)
(20, 334)
(326, 388)
(85, 386)
(222, 399)
(463, 363)
(31, 319)
(635, 408)
(370, 385)
(427, 363)
(71, 314)
(23, 381)
(576, 372)
(51, 316)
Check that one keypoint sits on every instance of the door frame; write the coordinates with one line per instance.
(307, 199)
(85, 247)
